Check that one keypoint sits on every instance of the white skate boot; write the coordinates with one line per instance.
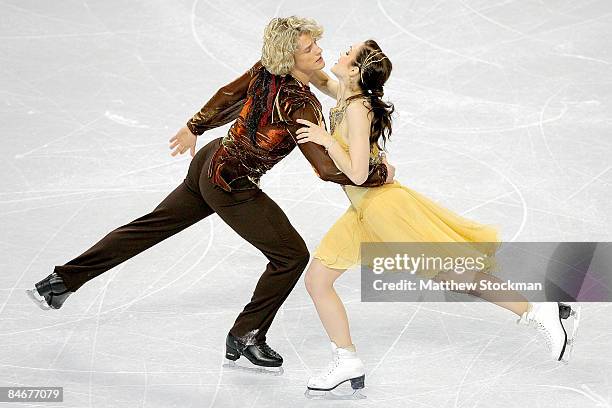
(345, 366)
(546, 318)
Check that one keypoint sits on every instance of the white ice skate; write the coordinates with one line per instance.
(345, 366)
(546, 318)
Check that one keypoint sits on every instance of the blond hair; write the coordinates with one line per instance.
(280, 41)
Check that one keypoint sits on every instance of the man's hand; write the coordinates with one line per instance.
(311, 132)
(184, 140)
(390, 171)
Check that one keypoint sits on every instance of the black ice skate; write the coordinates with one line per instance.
(264, 360)
(49, 293)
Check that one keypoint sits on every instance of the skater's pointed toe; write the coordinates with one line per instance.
(37, 299)
(49, 293)
(314, 383)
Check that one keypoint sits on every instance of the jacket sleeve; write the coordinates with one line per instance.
(225, 105)
(323, 165)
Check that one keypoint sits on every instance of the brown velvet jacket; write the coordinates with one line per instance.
(238, 164)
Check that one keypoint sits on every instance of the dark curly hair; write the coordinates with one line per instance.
(374, 69)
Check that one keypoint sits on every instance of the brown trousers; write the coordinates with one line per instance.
(251, 213)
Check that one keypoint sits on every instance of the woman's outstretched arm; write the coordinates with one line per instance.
(325, 84)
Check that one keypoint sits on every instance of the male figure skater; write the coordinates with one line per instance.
(223, 178)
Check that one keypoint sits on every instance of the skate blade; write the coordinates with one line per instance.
(333, 395)
(571, 340)
(252, 368)
(36, 298)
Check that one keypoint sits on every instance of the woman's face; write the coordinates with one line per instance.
(346, 62)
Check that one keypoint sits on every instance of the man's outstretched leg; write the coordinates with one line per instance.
(180, 209)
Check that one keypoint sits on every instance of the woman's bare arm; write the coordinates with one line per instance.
(325, 84)
(321, 161)
(355, 163)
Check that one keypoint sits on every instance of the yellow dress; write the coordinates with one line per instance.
(394, 213)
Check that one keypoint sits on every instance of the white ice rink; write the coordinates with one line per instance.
(504, 115)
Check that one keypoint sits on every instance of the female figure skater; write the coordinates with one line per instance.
(389, 213)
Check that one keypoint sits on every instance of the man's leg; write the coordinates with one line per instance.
(180, 209)
(271, 232)
(260, 221)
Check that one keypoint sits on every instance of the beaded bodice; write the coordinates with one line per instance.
(335, 117)
(336, 114)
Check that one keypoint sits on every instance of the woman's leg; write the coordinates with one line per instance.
(319, 280)
(546, 315)
(346, 365)
(510, 300)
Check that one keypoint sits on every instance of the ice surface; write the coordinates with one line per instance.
(504, 116)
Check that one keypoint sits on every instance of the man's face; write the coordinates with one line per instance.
(308, 56)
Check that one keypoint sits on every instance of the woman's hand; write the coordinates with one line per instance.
(183, 140)
(314, 133)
